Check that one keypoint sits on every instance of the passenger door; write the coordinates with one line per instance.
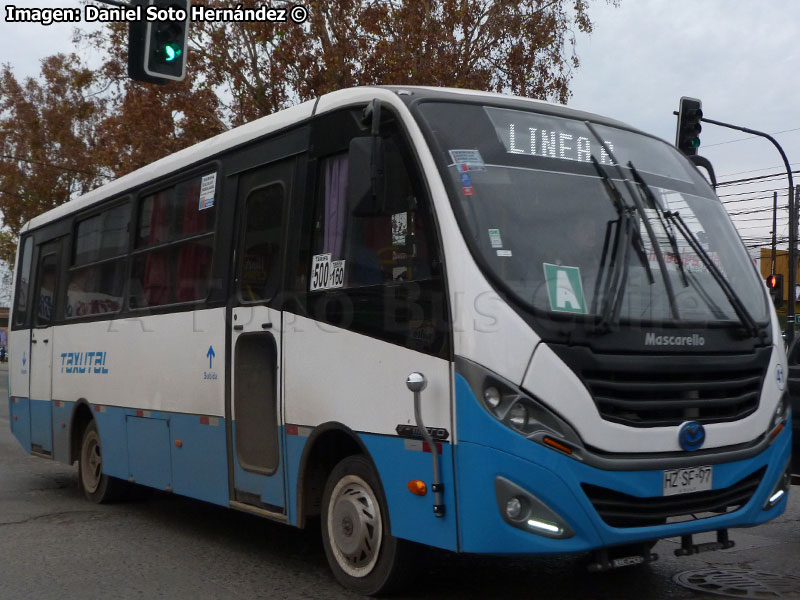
(256, 322)
(41, 354)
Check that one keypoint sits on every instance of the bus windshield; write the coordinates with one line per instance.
(565, 229)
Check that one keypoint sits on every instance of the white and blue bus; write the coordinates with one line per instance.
(475, 322)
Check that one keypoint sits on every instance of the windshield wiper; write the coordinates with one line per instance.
(626, 231)
(738, 306)
(666, 226)
(614, 315)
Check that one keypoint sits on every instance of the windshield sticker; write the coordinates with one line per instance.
(468, 160)
(690, 261)
(564, 288)
(326, 274)
(208, 185)
(399, 228)
(504, 253)
(495, 239)
(468, 190)
(466, 180)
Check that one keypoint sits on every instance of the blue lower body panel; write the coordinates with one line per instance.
(556, 480)
(184, 453)
(399, 461)
(19, 411)
(42, 426)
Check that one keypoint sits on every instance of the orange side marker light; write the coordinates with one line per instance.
(417, 487)
(557, 445)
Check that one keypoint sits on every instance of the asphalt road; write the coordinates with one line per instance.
(54, 544)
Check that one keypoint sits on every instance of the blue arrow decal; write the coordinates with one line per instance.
(210, 354)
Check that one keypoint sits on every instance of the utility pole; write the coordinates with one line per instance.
(774, 229)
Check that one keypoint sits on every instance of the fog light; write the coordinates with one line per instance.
(514, 508)
(781, 487)
(549, 527)
(521, 509)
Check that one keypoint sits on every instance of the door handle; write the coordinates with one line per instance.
(34, 341)
(45, 341)
(266, 326)
(238, 327)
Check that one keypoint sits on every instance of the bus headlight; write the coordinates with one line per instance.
(781, 414)
(780, 417)
(492, 397)
(518, 410)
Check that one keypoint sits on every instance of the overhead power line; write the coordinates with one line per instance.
(750, 137)
(756, 178)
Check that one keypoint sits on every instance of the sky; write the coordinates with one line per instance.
(738, 56)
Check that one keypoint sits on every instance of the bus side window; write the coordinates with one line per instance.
(392, 275)
(98, 263)
(378, 246)
(46, 290)
(174, 246)
(23, 286)
(260, 263)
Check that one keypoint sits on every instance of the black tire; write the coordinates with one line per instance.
(96, 485)
(361, 552)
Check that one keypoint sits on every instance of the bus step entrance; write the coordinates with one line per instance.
(688, 547)
(606, 559)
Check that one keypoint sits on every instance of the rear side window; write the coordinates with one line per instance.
(97, 274)
(102, 236)
(174, 244)
(24, 282)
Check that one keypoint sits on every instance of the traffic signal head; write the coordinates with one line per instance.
(687, 136)
(157, 45)
(775, 286)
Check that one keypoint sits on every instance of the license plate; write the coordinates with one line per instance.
(686, 481)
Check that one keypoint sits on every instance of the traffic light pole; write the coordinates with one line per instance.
(792, 224)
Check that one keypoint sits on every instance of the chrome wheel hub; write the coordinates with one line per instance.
(91, 463)
(354, 526)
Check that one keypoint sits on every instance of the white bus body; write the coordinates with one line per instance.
(237, 322)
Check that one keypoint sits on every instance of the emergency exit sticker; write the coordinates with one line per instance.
(208, 187)
(564, 288)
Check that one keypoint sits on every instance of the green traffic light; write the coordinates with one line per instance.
(171, 52)
(695, 143)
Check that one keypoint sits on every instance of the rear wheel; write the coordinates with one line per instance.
(93, 482)
(361, 552)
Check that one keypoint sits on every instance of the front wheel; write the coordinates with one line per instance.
(361, 552)
(93, 482)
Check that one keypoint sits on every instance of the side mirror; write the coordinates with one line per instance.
(365, 178)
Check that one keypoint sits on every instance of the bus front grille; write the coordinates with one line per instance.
(667, 390)
(621, 510)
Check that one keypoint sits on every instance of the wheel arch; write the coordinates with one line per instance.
(79, 419)
(327, 445)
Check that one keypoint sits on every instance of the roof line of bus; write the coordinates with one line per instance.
(249, 132)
